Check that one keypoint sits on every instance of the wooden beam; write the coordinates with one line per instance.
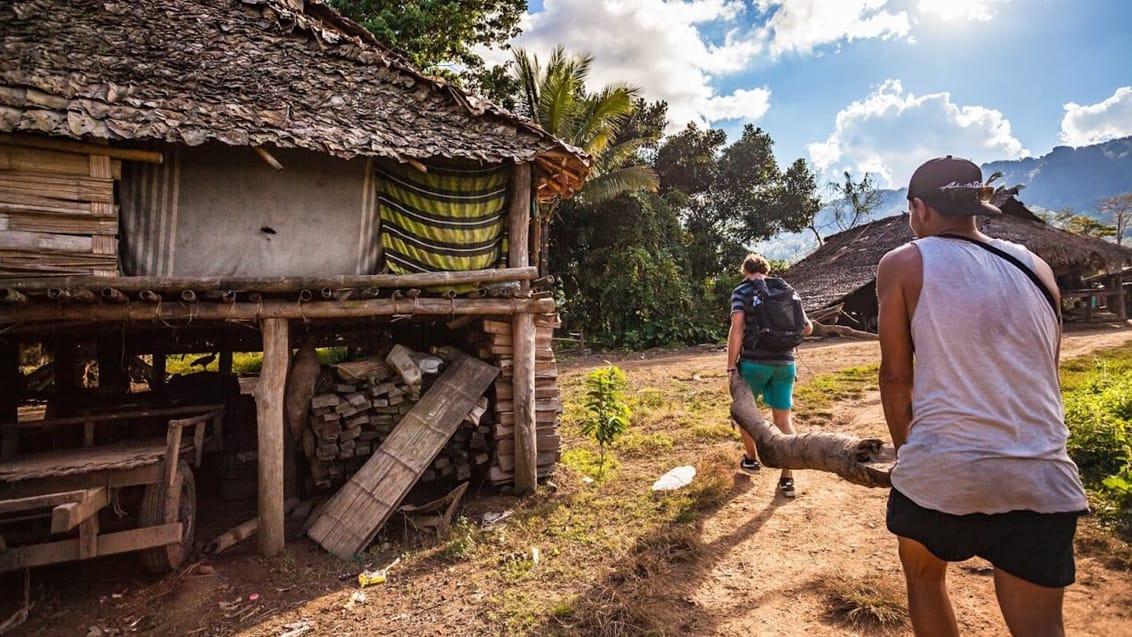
(120, 415)
(45, 501)
(519, 216)
(271, 310)
(68, 515)
(64, 551)
(269, 411)
(277, 285)
(51, 143)
(523, 390)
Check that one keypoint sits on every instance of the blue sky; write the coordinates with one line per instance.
(866, 85)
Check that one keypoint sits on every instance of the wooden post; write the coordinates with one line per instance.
(523, 337)
(269, 412)
(9, 395)
(225, 362)
(519, 217)
(1115, 300)
(112, 374)
(523, 386)
(157, 371)
(63, 367)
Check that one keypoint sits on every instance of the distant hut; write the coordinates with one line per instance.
(214, 176)
(839, 278)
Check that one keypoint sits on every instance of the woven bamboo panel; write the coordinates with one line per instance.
(57, 213)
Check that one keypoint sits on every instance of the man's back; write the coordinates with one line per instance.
(987, 434)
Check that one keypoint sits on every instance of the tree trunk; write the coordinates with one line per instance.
(867, 462)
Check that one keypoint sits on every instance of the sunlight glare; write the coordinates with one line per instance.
(958, 9)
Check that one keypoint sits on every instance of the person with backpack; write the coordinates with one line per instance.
(969, 330)
(767, 323)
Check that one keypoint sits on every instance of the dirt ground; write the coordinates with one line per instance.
(762, 561)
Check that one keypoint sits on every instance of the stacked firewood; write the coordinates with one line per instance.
(496, 345)
(357, 405)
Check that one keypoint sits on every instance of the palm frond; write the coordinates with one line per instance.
(527, 72)
(630, 179)
(618, 154)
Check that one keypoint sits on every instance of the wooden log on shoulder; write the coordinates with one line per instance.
(867, 462)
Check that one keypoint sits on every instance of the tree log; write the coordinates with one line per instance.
(867, 462)
(821, 329)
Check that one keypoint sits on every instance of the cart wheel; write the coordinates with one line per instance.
(163, 559)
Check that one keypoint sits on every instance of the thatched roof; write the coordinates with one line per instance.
(290, 73)
(847, 261)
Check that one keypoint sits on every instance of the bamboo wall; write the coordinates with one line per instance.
(57, 213)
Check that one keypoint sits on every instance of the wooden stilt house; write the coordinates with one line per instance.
(219, 176)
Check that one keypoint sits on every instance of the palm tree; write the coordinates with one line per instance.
(555, 97)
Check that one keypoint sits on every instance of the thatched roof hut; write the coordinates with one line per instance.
(843, 269)
(175, 172)
(288, 73)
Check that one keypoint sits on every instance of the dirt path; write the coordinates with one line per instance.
(765, 557)
(759, 571)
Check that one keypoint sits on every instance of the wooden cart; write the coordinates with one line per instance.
(50, 502)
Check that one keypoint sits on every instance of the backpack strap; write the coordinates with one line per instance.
(1016, 263)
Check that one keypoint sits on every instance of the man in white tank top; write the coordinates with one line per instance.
(969, 332)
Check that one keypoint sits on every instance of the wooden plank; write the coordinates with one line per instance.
(496, 327)
(45, 501)
(66, 550)
(43, 204)
(34, 221)
(43, 241)
(117, 415)
(353, 516)
(269, 398)
(21, 158)
(65, 187)
(65, 517)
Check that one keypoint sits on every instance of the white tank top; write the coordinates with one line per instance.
(988, 429)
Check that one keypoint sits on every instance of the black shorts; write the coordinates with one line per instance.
(1037, 547)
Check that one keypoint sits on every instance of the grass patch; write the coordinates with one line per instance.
(242, 362)
(869, 604)
(815, 397)
(640, 443)
(586, 462)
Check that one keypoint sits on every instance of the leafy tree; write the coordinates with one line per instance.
(687, 161)
(554, 96)
(1084, 225)
(1119, 209)
(855, 201)
(607, 415)
(435, 32)
(799, 202)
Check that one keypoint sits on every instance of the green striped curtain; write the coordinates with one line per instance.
(446, 219)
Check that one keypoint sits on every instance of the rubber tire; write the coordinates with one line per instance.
(163, 559)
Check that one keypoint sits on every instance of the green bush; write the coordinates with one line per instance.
(1098, 412)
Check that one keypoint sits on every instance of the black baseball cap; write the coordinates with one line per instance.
(953, 186)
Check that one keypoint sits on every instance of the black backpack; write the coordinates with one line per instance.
(777, 322)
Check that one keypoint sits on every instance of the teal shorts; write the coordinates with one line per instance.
(774, 382)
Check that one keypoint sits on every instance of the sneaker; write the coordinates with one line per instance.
(786, 486)
(748, 464)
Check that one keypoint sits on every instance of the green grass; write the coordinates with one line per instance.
(242, 362)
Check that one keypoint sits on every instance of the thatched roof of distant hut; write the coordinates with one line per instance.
(290, 73)
(847, 261)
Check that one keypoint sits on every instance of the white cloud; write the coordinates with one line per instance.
(891, 132)
(1096, 123)
(677, 50)
(979, 10)
(803, 25)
